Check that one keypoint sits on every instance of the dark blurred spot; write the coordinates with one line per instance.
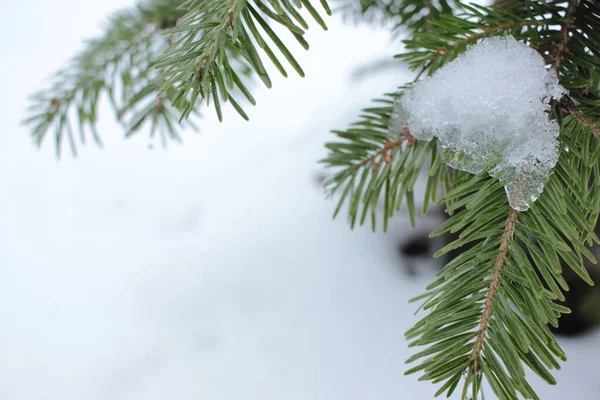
(584, 302)
(413, 248)
(320, 179)
(167, 23)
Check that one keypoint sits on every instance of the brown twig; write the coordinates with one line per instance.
(585, 121)
(491, 293)
(566, 104)
(561, 49)
(488, 32)
(387, 146)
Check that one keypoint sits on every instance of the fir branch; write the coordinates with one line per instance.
(388, 146)
(579, 64)
(453, 33)
(218, 36)
(407, 15)
(508, 311)
(491, 292)
(118, 65)
(564, 35)
(489, 310)
(198, 65)
(370, 164)
(493, 30)
(566, 104)
(585, 121)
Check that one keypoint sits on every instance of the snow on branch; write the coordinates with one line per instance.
(489, 110)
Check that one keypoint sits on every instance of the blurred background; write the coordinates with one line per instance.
(212, 269)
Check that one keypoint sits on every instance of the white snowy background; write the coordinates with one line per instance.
(212, 270)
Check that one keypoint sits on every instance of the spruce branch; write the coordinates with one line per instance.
(406, 15)
(118, 65)
(198, 65)
(491, 292)
(453, 33)
(490, 308)
(371, 164)
(564, 35)
(388, 146)
(207, 52)
(585, 121)
(489, 311)
(218, 35)
(566, 104)
(490, 31)
(575, 62)
(507, 309)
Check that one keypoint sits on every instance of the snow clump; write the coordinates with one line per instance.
(489, 110)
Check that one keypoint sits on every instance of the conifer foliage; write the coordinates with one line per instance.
(120, 66)
(489, 310)
(487, 315)
(158, 59)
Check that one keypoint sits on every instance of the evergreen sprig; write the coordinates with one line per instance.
(371, 165)
(406, 15)
(490, 308)
(120, 66)
(577, 61)
(199, 63)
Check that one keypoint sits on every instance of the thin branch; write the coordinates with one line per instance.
(227, 23)
(490, 31)
(566, 104)
(564, 35)
(585, 121)
(491, 293)
(387, 146)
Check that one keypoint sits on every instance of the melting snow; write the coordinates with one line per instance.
(489, 110)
